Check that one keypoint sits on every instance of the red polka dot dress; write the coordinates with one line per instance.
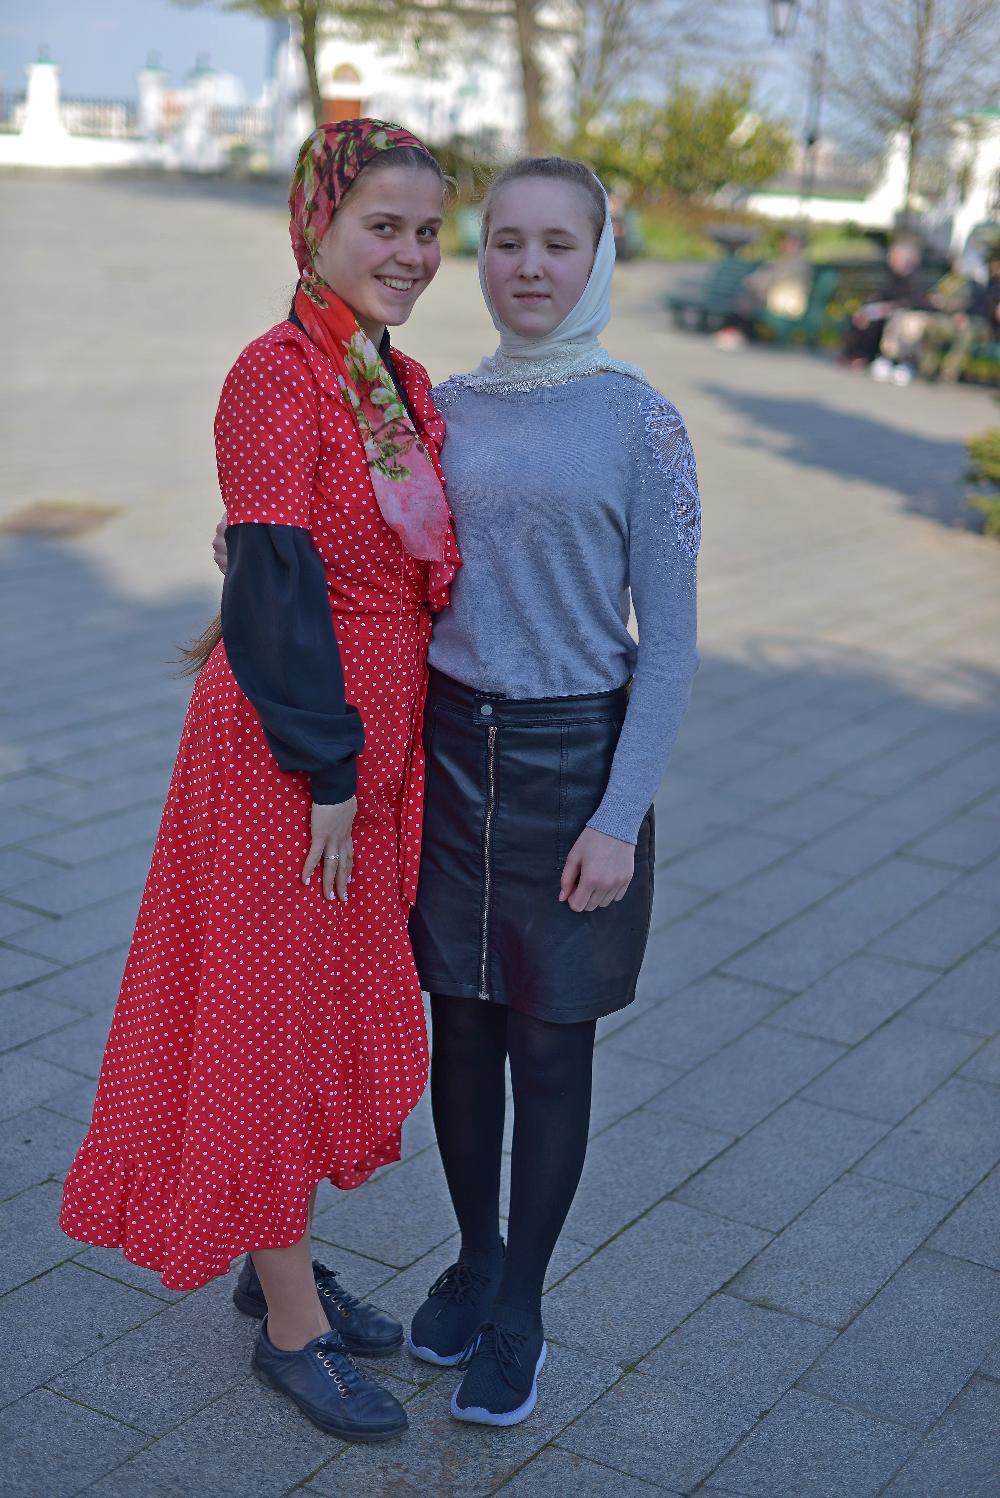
(266, 1037)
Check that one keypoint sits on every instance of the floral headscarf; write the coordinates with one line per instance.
(330, 159)
(409, 493)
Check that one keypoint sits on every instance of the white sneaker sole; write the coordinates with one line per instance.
(475, 1415)
(428, 1355)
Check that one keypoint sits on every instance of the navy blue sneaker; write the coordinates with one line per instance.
(502, 1365)
(363, 1329)
(329, 1388)
(457, 1303)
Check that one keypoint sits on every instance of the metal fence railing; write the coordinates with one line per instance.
(115, 118)
(108, 118)
(11, 108)
(247, 123)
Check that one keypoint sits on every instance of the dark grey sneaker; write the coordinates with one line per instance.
(363, 1328)
(502, 1365)
(457, 1303)
(329, 1388)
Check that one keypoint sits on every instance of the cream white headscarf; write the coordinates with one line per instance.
(572, 350)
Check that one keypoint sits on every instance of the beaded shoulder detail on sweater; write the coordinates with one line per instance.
(667, 436)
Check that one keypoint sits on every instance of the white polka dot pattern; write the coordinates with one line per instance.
(265, 1037)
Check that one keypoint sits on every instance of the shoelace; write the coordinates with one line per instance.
(339, 1365)
(458, 1283)
(333, 1289)
(500, 1344)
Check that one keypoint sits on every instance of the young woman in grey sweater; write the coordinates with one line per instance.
(548, 728)
(572, 483)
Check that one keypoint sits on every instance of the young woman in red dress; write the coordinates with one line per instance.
(269, 1031)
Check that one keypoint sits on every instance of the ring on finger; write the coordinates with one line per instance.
(333, 857)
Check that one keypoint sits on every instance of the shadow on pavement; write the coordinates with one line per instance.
(926, 472)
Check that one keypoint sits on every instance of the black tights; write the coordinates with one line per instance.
(550, 1068)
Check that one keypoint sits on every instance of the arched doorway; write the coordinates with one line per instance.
(342, 93)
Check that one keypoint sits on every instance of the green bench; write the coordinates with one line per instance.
(810, 326)
(836, 290)
(712, 303)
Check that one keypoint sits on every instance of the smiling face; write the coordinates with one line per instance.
(381, 249)
(539, 252)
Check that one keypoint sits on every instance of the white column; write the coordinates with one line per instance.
(43, 130)
(150, 82)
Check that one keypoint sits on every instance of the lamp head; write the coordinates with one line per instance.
(783, 15)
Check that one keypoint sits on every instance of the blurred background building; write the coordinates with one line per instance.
(672, 102)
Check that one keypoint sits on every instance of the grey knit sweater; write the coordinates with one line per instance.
(567, 499)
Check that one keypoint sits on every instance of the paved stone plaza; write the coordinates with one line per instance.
(781, 1277)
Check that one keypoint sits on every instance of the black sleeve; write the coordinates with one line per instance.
(279, 638)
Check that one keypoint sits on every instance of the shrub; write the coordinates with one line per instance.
(984, 470)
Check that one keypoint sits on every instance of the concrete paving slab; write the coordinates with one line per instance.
(77, 1441)
(78, 1046)
(55, 1321)
(25, 1016)
(561, 1474)
(771, 897)
(75, 1101)
(972, 1231)
(942, 933)
(812, 1448)
(685, 1028)
(967, 998)
(622, 1083)
(890, 1072)
(249, 1443)
(773, 1172)
(633, 1165)
(880, 1364)
(747, 1079)
(685, 950)
(35, 1145)
(964, 842)
(113, 1263)
(175, 1364)
(854, 1000)
(733, 1347)
(961, 1453)
(662, 1268)
(659, 1429)
(985, 1064)
(87, 933)
(25, 1081)
(30, 1239)
(18, 968)
(86, 986)
(442, 1455)
(727, 860)
(831, 1260)
(396, 1216)
(946, 1145)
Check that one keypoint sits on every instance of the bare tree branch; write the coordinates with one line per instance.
(914, 65)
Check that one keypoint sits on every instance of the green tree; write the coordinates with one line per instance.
(614, 41)
(694, 144)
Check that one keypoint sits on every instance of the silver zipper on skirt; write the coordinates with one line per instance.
(491, 740)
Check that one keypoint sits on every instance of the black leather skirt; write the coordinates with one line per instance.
(510, 786)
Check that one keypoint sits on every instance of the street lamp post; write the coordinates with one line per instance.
(783, 15)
